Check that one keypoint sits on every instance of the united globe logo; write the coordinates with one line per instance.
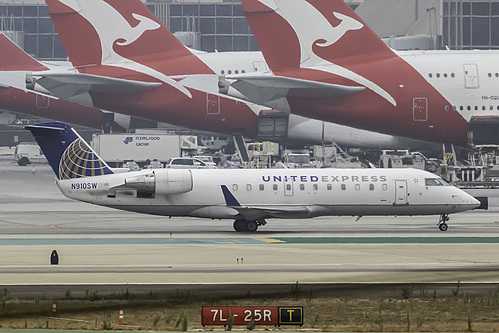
(78, 160)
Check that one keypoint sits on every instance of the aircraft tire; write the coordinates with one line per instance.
(239, 225)
(251, 226)
(443, 226)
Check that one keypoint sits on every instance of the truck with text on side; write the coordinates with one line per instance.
(117, 149)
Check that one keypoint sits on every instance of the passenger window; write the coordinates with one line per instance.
(262, 187)
(343, 187)
(248, 187)
(275, 187)
(302, 187)
(234, 187)
(223, 72)
(384, 187)
(371, 187)
(329, 187)
(357, 187)
(316, 187)
(288, 187)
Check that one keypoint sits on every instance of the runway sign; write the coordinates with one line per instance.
(261, 315)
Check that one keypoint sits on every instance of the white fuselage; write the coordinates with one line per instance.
(469, 80)
(266, 193)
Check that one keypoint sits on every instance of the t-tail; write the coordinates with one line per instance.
(68, 154)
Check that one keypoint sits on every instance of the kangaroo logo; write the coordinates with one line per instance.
(113, 28)
(336, 33)
(294, 12)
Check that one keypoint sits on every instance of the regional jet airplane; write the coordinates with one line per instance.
(328, 64)
(248, 196)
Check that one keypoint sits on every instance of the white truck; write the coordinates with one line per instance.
(29, 152)
(117, 149)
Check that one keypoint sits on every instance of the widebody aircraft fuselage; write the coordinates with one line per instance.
(327, 64)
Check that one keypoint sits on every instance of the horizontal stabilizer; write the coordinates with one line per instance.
(67, 85)
(267, 89)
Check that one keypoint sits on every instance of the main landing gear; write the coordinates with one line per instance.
(441, 223)
(248, 226)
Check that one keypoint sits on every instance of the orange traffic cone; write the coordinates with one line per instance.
(121, 321)
(33, 170)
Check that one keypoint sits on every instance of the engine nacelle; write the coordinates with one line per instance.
(162, 181)
(171, 181)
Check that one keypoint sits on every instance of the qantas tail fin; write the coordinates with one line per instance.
(111, 32)
(68, 154)
(304, 33)
(13, 58)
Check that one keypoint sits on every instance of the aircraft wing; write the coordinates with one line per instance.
(68, 85)
(269, 90)
(260, 212)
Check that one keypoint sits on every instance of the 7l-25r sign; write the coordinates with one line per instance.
(260, 315)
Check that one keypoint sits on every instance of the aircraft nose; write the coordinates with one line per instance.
(474, 201)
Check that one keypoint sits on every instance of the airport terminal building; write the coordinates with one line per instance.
(212, 25)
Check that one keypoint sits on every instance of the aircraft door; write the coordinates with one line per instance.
(212, 104)
(42, 102)
(471, 76)
(288, 187)
(420, 109)
(401, 192)
(259, 66)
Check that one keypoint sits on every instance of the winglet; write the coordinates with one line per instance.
(230, 200)
(68, 154)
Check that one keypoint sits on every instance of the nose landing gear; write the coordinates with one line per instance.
(248, 226)
(441, 223)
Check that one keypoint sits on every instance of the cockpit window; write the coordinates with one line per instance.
(435, 182)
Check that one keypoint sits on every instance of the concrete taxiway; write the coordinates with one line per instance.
(97, 245)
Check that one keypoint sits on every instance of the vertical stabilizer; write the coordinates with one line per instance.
(68, 154)
(13, 58)
(305, 33)
(116, 32)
